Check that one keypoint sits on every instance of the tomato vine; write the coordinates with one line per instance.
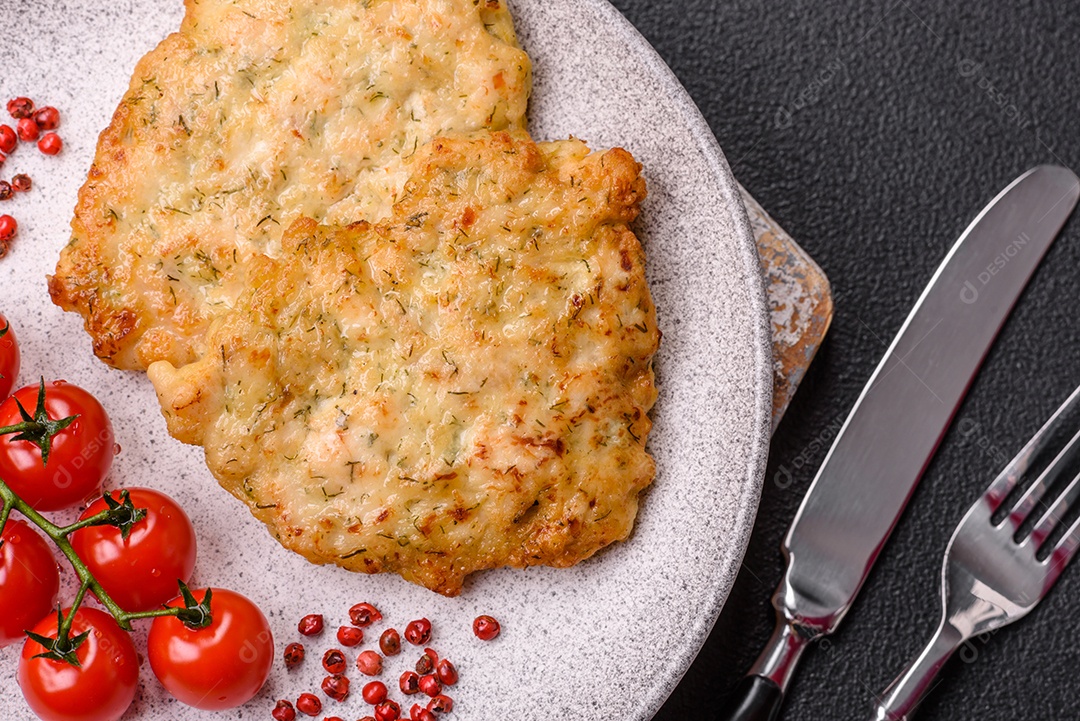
(40, 429)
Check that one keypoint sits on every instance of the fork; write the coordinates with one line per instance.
(994, 571)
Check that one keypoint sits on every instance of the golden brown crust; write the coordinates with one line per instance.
(256, 113)
(462, 386)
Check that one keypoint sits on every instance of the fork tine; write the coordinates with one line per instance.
(1066, 548)
(1007, 480)
(1034, 495)
(1056, 512)
(999, 490)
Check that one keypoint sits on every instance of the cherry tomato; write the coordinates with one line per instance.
(141, 571)
(29, 581)
(9, 358)
(100, 688)
(218, 667)
(81, 455)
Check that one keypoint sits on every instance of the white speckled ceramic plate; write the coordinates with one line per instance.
(607, 639)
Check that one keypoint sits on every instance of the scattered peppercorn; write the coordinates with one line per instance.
(20, 108)
(336, 687)
(431, 677)
(426, 664)
(374, 692)
(441, 704)
(446, 672)
(294, 655)
(309, 704)
(390, 642)
(50, 144)
(409, 683)
(28, 130)
(486, 628)
(430, 685)
(350, 636)
(48, 118)
(8, 139)
(8, 228)
(364, 614)
(418, 632)
(387, 711)
(310, 625)
(334, 661)
(419, 713)
(283, 711)
(369, 663)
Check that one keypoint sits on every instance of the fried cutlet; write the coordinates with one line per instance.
(257, 113)
(461, 386)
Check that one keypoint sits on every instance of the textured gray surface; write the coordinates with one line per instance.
(891, 148)
(607, 639)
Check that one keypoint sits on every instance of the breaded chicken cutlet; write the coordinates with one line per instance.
(407, 337)
(254, 114)
(462, 386)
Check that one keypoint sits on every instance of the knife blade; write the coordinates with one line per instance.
(898, 421)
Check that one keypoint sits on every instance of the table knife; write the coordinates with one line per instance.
(897, 422)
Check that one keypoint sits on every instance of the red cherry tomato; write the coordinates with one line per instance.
(100, 688)
(218, 667)
(81, 455)
(141, 571)
(9, 358)
(29, 581)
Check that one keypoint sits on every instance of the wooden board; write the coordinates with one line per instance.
(800, 303)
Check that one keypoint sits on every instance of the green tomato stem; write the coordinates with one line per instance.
(25, 426)
(59, 536)
(94, 520)
(4, 515)
(65, 627)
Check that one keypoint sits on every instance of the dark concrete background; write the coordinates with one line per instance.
(874, 132)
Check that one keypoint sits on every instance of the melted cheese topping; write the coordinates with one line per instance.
(462, 386)
(257, 113)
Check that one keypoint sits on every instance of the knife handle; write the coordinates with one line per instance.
(756, 698)
(759, 695)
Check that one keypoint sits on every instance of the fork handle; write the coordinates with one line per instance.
(909, 689)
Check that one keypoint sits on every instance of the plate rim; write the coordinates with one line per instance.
(754, 472)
